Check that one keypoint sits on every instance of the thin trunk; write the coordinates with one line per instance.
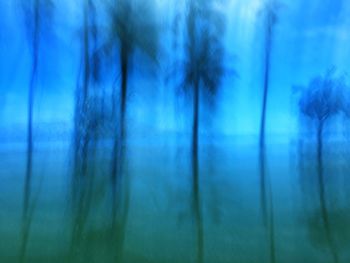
(195, 171)
(120, 182)
(120, 131)
(268, 45)
(267, 205)
(29, 163)
(123, 92)
(86, 82)
(322, 194)
(81, 180)
(81, 118)
(265, 184)
(35, 46)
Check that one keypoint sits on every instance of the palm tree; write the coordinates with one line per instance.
(33, 26)
(129, 31)
(132, 27)
(321, 100)
(203, 70)
(270, 14)
(34, 12)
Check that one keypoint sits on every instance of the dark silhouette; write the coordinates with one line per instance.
(270, 16)
(319, 101)
(132, 27)
(129, 31)
(35, 56)
(34, 11)
(203, 70)
(88, 119)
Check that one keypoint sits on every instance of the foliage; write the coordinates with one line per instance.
(132, 25)
(43, 11)
(204, 51)
(323, 97)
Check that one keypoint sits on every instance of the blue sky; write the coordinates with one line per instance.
(310, 37)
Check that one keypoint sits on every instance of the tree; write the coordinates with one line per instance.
(270, 15)
(322, 99)
(319, 101)
(129, 31)
(203, 70)
(34, 12)
(86, 117)
(132, 27)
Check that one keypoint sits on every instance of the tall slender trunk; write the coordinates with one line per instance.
(124, 85)
(195, 173)
(86, 82)
(32, 84)
(81, 179)
(322, 193)
(267, 205)
(29, 163)
(266, 197)
(120, 184)
(267, 62)
(81, 118)
(121, 130)
(268, 42)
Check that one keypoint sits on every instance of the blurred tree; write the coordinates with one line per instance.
(320, 100)
(37, 16)
(34, 13)
(269, 12)
(203, 71)
(86, 125)
(87, 118)
(132, 27)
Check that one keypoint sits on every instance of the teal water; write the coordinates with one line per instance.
(155, 214)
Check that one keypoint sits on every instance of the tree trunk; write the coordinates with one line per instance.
(267, 204)
(86, 82)
(265, 184)
(121, 131)
(29, 163)
(195, 168)
(322, 194)
(268, 45)
(120, 202)
(81, 189)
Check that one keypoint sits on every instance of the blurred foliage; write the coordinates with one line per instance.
(324, 96)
